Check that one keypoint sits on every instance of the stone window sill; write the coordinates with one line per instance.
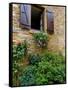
(33, 31)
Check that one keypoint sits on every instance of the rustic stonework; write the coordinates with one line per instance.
(56, 41)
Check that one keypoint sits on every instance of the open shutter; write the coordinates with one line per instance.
(25, 18)
(50, 22)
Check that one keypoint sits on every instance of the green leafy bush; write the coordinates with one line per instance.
(40, 78)
(28, 76)
(53, 58)
(54, 74)
(52, 66)
(41, 39)
(50, 69)
(19, 51)
(34, 59)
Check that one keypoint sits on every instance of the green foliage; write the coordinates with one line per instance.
(28, 76)
(49, 70)
(41, 39)
(34, 59)
(53, 67)
(19, 51)
(40, 78)
(53, 58)
(54, 74)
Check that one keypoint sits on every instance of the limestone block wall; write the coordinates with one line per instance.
(56, 41)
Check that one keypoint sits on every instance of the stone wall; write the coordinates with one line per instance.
(56, 41)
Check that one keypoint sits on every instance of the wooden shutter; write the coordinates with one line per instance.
(50, 22)
(25, 18)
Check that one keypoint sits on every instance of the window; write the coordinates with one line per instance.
(36, 17)
(50, 22)
(32, 16)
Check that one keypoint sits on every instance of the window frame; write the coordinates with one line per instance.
(27, 26)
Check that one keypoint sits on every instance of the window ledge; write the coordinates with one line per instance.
(33, 31)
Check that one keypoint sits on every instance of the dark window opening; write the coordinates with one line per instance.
(50, 22)
(36, 17)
